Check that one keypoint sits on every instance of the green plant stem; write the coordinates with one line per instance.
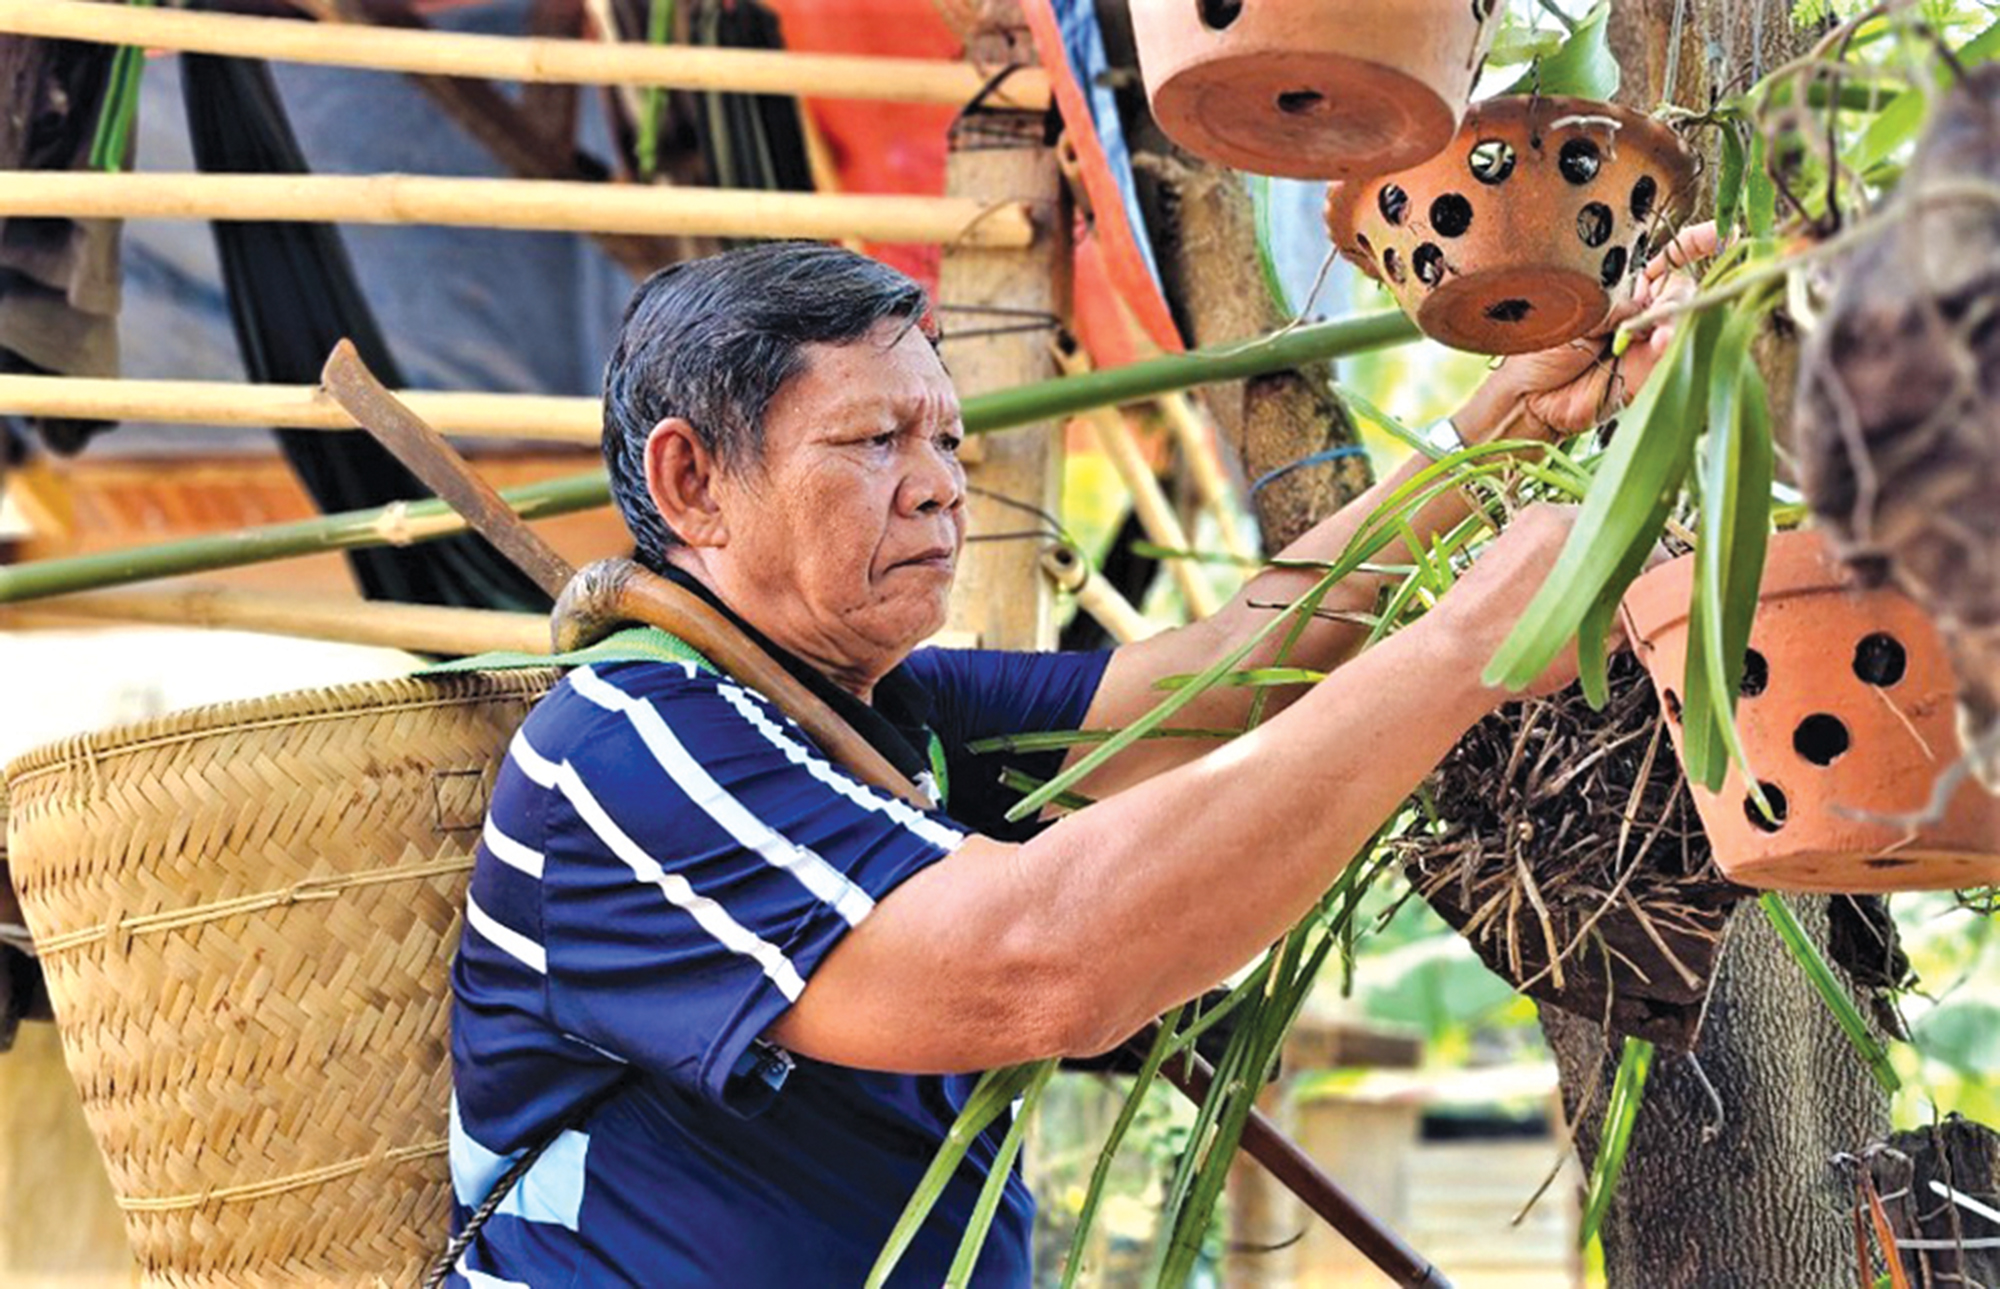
(418, 521)
(1100, 1173)
(1830, 990)
(659, 25)
(974, 1239)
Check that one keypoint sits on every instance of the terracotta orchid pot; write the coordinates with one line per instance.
(1525, 230)
(1846, 717)
(1312, 89)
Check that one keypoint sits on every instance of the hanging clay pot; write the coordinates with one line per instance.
(1846, 717)
(1525, 230)
(1312, 89)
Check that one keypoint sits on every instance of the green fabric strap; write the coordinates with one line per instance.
(636, 644)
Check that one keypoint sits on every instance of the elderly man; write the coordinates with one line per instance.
(736, 996)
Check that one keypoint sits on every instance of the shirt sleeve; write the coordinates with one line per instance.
(703, 858)
(980, 693)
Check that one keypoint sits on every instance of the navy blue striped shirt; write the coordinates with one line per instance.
(666, 860)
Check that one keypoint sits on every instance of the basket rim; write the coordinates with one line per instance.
(301, 706)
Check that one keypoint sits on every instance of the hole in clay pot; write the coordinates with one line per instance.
(1673, 707)
(1821, 739)
(1756, 675)
(1361, 240)
(1639, 249)
(1392, 264)
(1880, 660)
(1393, 201)
(1593, 224)
(1451, 215)
(1429, 264)
(1614, 266)
(1492, 161)
(1509, 310)
(1300, 102)
(1579, 161)
(1217, 14)
(1644, 194)
(1482, 9)
(1888, 861)
(1776, 796)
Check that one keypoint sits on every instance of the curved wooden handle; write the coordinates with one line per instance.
(612, 592)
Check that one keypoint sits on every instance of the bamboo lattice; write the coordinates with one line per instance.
(246, 914)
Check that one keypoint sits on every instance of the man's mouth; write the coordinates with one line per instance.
(938, 559)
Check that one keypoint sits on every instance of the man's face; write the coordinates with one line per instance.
(843, 542)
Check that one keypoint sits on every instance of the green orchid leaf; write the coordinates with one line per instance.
(1582, 66)
(1643, 468)
(974, 1240)
(1628, 1092)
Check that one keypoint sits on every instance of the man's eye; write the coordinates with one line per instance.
(951, 443)
(883, 440)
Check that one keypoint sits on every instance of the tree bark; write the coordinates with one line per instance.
(1730, 1179)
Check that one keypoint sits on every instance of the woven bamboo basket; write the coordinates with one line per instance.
(246, 914)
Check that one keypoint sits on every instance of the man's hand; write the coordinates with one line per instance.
(1571, 388)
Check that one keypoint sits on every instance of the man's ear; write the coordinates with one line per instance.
(681, 478)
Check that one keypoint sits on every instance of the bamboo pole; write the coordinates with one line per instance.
(1197, 444)
(1149, 501)
(300, 407)
(578, 420)
(400, 524)
(1136, 382)
(1071, 572)
(528, 59)
(417, 628)
(422, 521)
(542, 205)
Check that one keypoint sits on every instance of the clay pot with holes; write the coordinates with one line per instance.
(1312, 89)
(1525, 231)
(1846, 717)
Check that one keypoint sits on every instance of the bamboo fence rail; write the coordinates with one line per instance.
(298, 407)
(533, 60)
(541, 205)
(417, 628)
(427, 520)
(579, 420)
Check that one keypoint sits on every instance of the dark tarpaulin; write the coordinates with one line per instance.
(292, 296)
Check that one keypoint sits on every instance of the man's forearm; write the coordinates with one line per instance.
(1163, 890)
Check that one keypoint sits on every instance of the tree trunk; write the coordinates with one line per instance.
(1730, 1179)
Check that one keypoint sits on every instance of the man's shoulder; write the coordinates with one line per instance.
(592, 711)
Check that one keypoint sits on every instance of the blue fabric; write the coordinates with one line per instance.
(1090, 67)
(666, 861)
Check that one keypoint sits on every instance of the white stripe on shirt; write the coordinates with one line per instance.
(799, 754)
(712, 917)
(505, 938)
(510, 852)
(709, 915)
(820, 878)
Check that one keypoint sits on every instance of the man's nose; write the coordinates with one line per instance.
(936, 483)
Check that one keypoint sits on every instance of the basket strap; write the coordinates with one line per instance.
(633, 644)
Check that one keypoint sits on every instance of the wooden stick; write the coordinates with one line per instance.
(532, 60)
(415, 443)
(542, 205)
(418, 628)
(1156, 514)
(300, 407)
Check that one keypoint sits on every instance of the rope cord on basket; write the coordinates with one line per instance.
(504, 1184)
(312, 888)
(279, 1185)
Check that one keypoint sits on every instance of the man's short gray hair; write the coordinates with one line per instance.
(712, 340)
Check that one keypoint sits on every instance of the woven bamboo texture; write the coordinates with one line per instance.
(247, 915)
